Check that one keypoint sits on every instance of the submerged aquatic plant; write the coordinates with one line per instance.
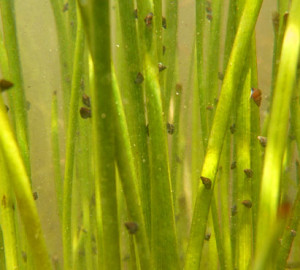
(158, 173)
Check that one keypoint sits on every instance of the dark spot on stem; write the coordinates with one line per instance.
(262, 140)
(233, 210)
(209, 17)
(206, 182)
(232, 128)
(148, 19)
(86, 100)
(207, 236)
(170, 128)
(132, 227)
(85, 113)
(161, 67)
(5, 85)
(139, 78)
(249, 173)
(247, 203)
(164, 22)
(233, 165)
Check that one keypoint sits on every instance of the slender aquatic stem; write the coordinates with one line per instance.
(70, 146)
(128, 177)
(21, 186)
(200, 21)
(56, 155)
(64, 53)
(7, 219)
(244, 175)
(17, 94)
(170, 56)
(163, 242)
(135, 109)
(98, 15)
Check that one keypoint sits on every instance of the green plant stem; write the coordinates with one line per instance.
(223, 195)
(2, 251)
(256, 148)
(283, 7)
(200, 21)
(289, 232)
(163, 242)
(218, 131)
(21, 186)
(86, 186)
(56, 155)
(103, 130)
(170, 57)
(64, 53)
(16, 94)
(197, 145)
(277, 130)
(125, 162)
(219, 239)
(244, 243)
(7, 218)
(175, 139)
(157, 5)
(135, 109)
(72, 26)
(70, 147)
(213, 57)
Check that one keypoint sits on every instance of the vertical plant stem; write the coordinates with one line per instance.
(21, 186)
(56, 155)
(103, 130)
(70, 147)
(200, 19)
(213, 57)
(170, 57)
(279, 23)
(163, 242)
(219, 128)
(277, 131)
(256, 148)
(125, 161)
(223, 196)
(64, 53)
(17, 94)
(135, 108)
(7, 218)
(157, 5)
(289, 232)
(243, 162)
(219, 239)
(86, 187)
(175, 139)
